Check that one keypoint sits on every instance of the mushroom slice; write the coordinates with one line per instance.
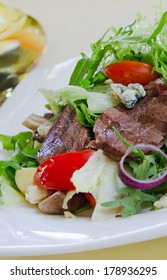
(53, 203)
(34, 121)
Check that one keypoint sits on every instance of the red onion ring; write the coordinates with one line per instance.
(130, 181)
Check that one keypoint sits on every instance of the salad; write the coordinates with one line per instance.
(100, 148)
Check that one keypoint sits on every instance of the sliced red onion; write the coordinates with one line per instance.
(130, 181)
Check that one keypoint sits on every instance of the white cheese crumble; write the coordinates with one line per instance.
(35, 194)
(162, 202)
(128, 95)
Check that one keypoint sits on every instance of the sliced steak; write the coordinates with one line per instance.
(133, 131)
(65, 135)
(156, 87)
(146, 123)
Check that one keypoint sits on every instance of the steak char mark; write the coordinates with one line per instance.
(65, 135)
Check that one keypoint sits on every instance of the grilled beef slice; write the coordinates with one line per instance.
(146, 123)
(65, 135)
(154, 88)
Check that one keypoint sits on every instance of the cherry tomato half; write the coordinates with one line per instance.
(126, 72)
(55, 173)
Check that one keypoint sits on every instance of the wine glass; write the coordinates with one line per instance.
(22, 43)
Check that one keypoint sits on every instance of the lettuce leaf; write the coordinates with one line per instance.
(87, 104)
(99, 177)
(8, 195)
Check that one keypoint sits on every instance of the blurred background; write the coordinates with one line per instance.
(71, 26)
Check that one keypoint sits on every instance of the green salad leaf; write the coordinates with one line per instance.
(145, 166)
(82, 65)
(23, 152)
(137, 41)
(130, 201)
(148, 167)
(82, 101)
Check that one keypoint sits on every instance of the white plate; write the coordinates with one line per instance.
(24, 231)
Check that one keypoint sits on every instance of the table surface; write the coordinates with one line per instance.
(71, 26)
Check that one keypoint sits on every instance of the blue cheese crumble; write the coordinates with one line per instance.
(128, 95)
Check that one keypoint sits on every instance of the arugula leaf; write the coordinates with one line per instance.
(130, 201)
(136, 151)
(84, 116)
(9, 142)
(159, 190)
(23, 155)
(149, 167)
(96, 59)
(86, 67)
(82, 66)
(159, 28)
(145, 166)
(6, 142)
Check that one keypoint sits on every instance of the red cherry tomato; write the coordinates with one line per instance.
(126, 72)
(55, 173)
(90, 198)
